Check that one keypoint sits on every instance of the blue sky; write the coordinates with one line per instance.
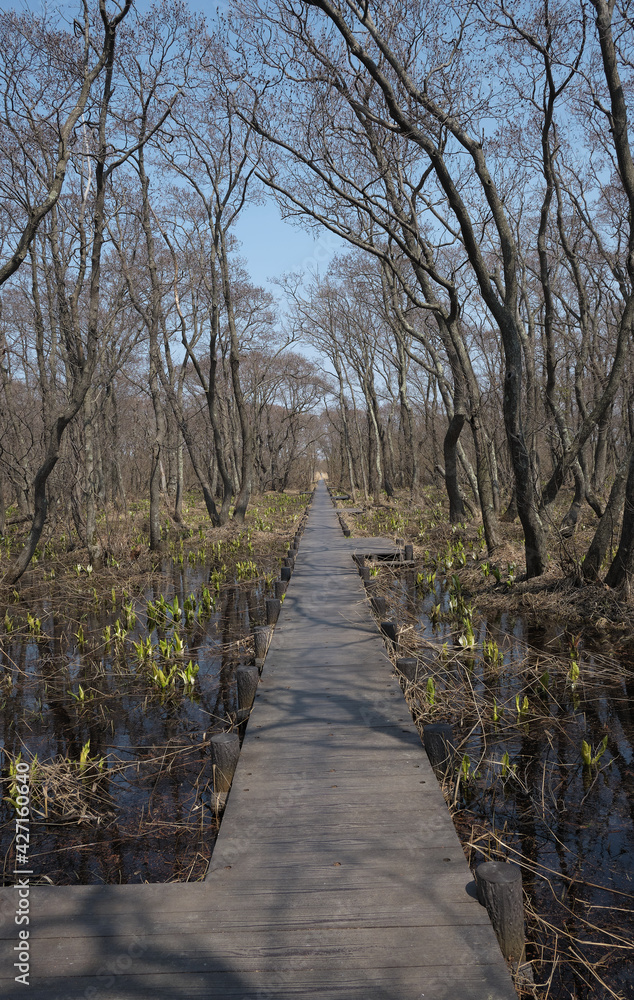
(272, 247)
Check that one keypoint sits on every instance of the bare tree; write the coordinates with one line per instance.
(46, 77)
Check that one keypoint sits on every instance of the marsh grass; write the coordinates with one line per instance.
(112, 680)
(542, 774)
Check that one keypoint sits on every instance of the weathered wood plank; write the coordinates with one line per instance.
(265, 951)
(335, 984)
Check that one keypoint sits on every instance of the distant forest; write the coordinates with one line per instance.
(475, 157)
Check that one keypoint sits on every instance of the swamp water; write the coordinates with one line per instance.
(114, 701)
(544, 772)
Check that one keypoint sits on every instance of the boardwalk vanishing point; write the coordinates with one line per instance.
(337, 873)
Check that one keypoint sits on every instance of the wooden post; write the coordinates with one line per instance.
(389, 631)
(379, 606)
(273, 605)
(440, 746)
(247, 682)
(296, 541)
(364, 573)
(408, 667)
(225, 750)
(409, 553)
(285, 573)
(261, 640)
(346, 532)
(499, 886)
(280, 588)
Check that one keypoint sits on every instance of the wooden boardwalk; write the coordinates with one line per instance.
(337, 873)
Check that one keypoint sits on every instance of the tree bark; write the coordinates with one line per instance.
(82, 358)
(608, 525)
(621, 571)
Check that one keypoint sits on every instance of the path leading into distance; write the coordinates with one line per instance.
(337, 873)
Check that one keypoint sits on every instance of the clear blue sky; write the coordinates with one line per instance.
(269, 246)
(272, 247)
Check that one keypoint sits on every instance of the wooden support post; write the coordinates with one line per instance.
(408, 665)
(364, 573)
(409, 553)
(273, 605)
(261, 640)
(389, 631)
(285, 573)
(346, 532)
(440, 746)
(280, 588)
(379, 606)
(499, 886)
(247, 682)
(225, 750)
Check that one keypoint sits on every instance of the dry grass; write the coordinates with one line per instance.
(594, 610)
(62, 681)
(580, 930)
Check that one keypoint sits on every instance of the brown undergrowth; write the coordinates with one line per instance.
(593, 609)
(535, 679)
(114, 677)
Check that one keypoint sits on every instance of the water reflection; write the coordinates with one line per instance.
(72, 687)
(528, 795)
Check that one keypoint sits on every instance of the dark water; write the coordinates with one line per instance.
(522, 790)
(135, 806)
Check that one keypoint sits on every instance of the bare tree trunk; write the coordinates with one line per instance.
(454, 493)
(621, 571)
(155, 460)
(178, 496)
(601, 450)
(607, 527)
(246, 424)
(93, 545)
(82, 358)
(495, 482)
(3, 506)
